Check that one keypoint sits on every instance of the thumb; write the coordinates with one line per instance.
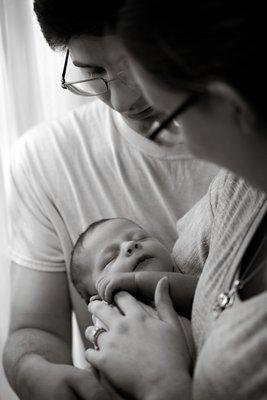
(163, 302)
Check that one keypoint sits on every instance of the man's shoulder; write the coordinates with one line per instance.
(84, 117)
(63, 143)
(66, 132)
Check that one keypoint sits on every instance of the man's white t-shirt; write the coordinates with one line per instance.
(90, 165)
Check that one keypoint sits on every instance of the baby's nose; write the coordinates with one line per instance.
(130, 247)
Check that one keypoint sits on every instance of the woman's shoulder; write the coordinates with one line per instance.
(228, 193)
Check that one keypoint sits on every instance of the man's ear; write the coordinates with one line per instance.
(242, 113)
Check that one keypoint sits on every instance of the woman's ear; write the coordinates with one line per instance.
(242, 113)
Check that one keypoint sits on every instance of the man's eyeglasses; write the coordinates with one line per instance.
(92, 86)
(191, 100)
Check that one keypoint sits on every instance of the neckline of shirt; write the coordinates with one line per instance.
(180, 151)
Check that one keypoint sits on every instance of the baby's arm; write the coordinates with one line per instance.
(182, 287)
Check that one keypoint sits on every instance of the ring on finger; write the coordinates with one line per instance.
(96, 333)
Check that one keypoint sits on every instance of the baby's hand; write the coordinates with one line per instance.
(108, 284)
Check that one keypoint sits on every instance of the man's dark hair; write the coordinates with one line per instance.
(62, 19)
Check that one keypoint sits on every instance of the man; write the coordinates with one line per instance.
(94, 163)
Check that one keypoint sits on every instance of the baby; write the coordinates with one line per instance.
(117, 254)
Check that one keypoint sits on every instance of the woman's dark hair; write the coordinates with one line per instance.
(62, 19)
(186, 44)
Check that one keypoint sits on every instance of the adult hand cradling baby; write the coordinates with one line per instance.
(167, 338)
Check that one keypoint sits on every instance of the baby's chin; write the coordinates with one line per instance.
(154, 264)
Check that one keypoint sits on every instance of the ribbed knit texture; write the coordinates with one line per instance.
(232, 349)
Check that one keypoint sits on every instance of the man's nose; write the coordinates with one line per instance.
(122, 97)
(130, 247)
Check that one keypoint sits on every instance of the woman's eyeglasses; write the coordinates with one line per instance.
(191, 100)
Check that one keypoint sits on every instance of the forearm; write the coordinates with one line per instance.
(26, 346)
(182, 288)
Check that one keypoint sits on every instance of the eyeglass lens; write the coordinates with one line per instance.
(97, 86)
(88, 88)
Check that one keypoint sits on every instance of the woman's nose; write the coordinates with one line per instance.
(130, 247)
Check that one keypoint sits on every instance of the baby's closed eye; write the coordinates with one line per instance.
(109, 257)
(140, 236)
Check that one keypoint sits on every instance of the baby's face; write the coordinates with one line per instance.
(122, 246)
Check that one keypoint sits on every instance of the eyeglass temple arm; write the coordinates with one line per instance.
(64, 69)
(163, 125)
(191, 100)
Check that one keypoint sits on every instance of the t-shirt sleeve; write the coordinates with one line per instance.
(194, 229)
(34, 240)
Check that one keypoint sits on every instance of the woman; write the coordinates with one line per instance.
(206, 67)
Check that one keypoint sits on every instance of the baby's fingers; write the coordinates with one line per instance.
(110, 291)
(101, 287)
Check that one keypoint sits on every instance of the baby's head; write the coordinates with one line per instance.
(115, 245)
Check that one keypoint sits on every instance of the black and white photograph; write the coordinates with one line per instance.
(133, 203)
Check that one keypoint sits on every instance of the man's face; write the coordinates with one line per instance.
(104, 57)
(120, 245)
